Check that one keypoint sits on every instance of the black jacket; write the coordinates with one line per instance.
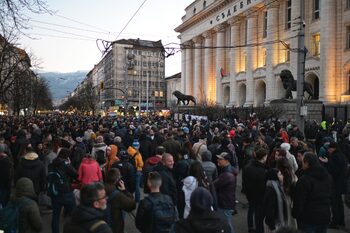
(254, 181)
(168, 182)
(34, 170)
(6, 171)
(312, 197)
(69, 172)
(337, 167)
(84, 219)
(208, 222)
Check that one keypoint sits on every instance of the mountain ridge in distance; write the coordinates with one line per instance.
(61, 84)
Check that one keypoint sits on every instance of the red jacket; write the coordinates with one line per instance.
(89, 171)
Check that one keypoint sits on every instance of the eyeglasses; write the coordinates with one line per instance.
(101, 198)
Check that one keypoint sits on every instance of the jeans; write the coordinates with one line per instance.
(255, 213)
(137, 189)
(228, 215)
(313, 228)
(65, 200)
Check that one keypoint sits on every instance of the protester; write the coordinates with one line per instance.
(89, 216)
(6, 176)
(89, 171)
(136, 158)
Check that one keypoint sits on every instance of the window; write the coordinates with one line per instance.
(246, 32)
(243, 62)
(348, 37)
(204, 4)
(286, 53)
(264, 57)
(349, 82)
(194, 10)
(316, 45)
(347, 4)
(161, 94)
(265, 25)
(316, 14)
(289, 14)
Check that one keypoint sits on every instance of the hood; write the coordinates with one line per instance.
(58, 161)
(25, 187)
(131, 151)
(88, 161)
(319, 173)
(153, 160)
(98, 145)
(114, 151)
(207, 221)
(190, 183)
(83, 214)
(31, 156)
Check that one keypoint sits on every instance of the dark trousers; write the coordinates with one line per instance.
(337, 209)
(313, 228)
(255, 213)
(65, 200)
(4, 195)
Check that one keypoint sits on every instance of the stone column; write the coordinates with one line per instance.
(183, 69)
(189, 69)
(271, 50)
(234, 59)
(252, 38)
(197, 80)
(208, 77)
(220, 60)
(328, 86)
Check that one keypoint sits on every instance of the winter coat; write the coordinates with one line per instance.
(168, 182)
(29, 214)
(123, 201)
(6, 171)
(98, 146)
(172, 147)
(112, 157)
(133, 153)
(68, 171)
(32, 168)
(210, 170)
(254, 181)
(189, 185)
(89, 171)
(84, 219)
(312, 197)
(225, 186)
(146, 149)
(198, 149)
(337, 168)
(208, 222)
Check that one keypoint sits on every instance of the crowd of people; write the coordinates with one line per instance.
(176, 175)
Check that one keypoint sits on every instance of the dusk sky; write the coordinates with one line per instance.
(66, 40)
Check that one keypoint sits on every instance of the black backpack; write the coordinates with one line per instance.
(164, 214)
(100, 157)
(56, 180)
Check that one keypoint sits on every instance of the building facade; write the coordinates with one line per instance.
(173, 83)
(234, 50)
(131, 74)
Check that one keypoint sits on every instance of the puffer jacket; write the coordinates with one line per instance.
(137, 156)
(29, 214)
(89, 171)
(225, 186)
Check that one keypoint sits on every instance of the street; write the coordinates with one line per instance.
(239, 220)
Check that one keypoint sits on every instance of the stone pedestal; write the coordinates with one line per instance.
(288, 108)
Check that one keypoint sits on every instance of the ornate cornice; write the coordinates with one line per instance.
(215, 7)
(271, 4)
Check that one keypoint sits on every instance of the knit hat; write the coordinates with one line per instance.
(31, 156)
(136, 144)
(185, 130)
(201, 200)
(206, 155)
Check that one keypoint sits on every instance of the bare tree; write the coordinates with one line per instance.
(42, 98)
(12, 13)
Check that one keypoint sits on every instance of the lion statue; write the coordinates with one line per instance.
(291, 85)
(183, 98)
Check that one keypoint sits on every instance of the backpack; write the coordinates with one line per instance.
(9, 216)
(108, 210)
(132, 160)
(128, 173)
(164, 214)
(55, 181)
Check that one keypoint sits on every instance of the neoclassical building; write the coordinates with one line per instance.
(234, 50)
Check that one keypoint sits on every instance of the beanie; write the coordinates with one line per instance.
(201, 200)
(136, 144)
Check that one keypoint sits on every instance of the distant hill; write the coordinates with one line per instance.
(62, 84)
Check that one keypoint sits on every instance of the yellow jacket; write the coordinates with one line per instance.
(138, 157)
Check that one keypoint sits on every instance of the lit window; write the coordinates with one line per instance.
(289, 14)
(264, 57)
(286, 54)
(161, 94)
(265, 25)
(316, 39)
(316, 9)
(348, 37)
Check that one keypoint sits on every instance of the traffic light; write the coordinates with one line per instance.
(101, 85)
